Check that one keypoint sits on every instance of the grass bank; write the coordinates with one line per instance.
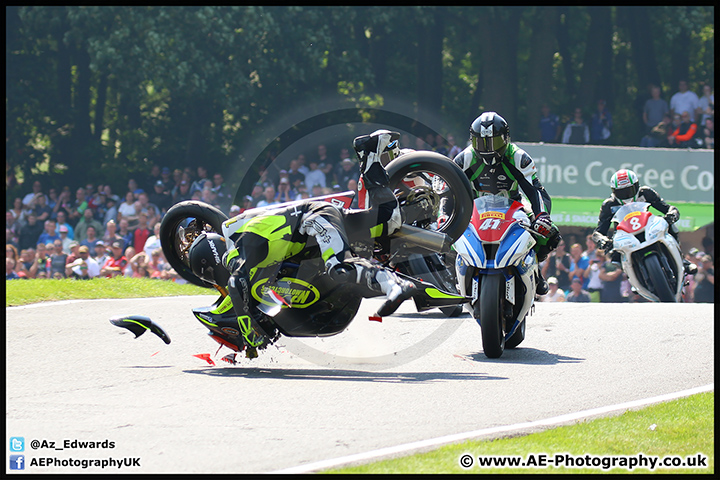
(24, 292)
(680, 431)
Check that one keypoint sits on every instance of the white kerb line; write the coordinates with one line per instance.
(437, 442)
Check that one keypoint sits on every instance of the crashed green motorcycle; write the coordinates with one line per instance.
(297, 298)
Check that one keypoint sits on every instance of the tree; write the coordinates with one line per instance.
(98, 93)
(636, 21)
(430, 34)
(539, 80)
(498, 68)
(596, 77)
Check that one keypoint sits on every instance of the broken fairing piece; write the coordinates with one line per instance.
(206, 357)
(139, 324)
(230, 358)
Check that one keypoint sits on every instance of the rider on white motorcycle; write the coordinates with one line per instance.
(493, 164)
(625, 187)
(279, 233)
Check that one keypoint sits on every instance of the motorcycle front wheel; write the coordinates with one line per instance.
(659, 280)
(489, 313)
(180, 226)
(517, 337)
(438, 179)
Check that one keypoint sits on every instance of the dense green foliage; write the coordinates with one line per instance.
(91, 88)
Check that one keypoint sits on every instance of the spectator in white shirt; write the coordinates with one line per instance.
(554, 294)
(684, 101)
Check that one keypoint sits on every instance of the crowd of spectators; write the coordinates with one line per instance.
(588, 275)
(324, 173)
(686, 121)
(576, 130)
(90, 231)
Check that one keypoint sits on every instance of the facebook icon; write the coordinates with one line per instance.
(17, 462)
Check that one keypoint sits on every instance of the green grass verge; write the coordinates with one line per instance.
(682, 428)
(24, 292)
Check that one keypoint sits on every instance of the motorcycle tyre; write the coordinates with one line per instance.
(517, 337)
(456, 179)
(170, 222)
(488, 311)
(452, 312)
(660, 283)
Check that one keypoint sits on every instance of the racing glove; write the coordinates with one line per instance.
(543, 225)
(672, 217)
(603, 242)
(231, 259)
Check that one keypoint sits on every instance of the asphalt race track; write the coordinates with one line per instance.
(72, 377)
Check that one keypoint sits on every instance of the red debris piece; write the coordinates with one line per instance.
(375, 318)
(206, 357)
(230, 358)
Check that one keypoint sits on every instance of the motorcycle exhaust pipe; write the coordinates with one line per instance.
(434, 241)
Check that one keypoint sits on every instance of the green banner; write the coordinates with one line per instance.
(583, 212)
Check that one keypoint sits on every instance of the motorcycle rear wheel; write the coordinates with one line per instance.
(182, 223)
(456, 190)
(660, 283)
(489, 313)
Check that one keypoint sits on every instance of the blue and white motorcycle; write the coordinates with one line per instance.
(496, 266)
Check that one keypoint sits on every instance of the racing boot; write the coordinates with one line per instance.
(396, 291)
(248, 318)
(689, 267)
(542, 287)
(374, 151)
(376, 278)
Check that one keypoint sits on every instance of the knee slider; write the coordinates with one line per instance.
(343, 273)
(357, 270)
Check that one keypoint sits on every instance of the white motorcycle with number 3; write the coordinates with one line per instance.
(650, 256)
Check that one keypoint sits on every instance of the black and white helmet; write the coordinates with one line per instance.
(490, 135)
(205, 256)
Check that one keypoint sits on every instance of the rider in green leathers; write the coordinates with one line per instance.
(493, 164)
(266, 237)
